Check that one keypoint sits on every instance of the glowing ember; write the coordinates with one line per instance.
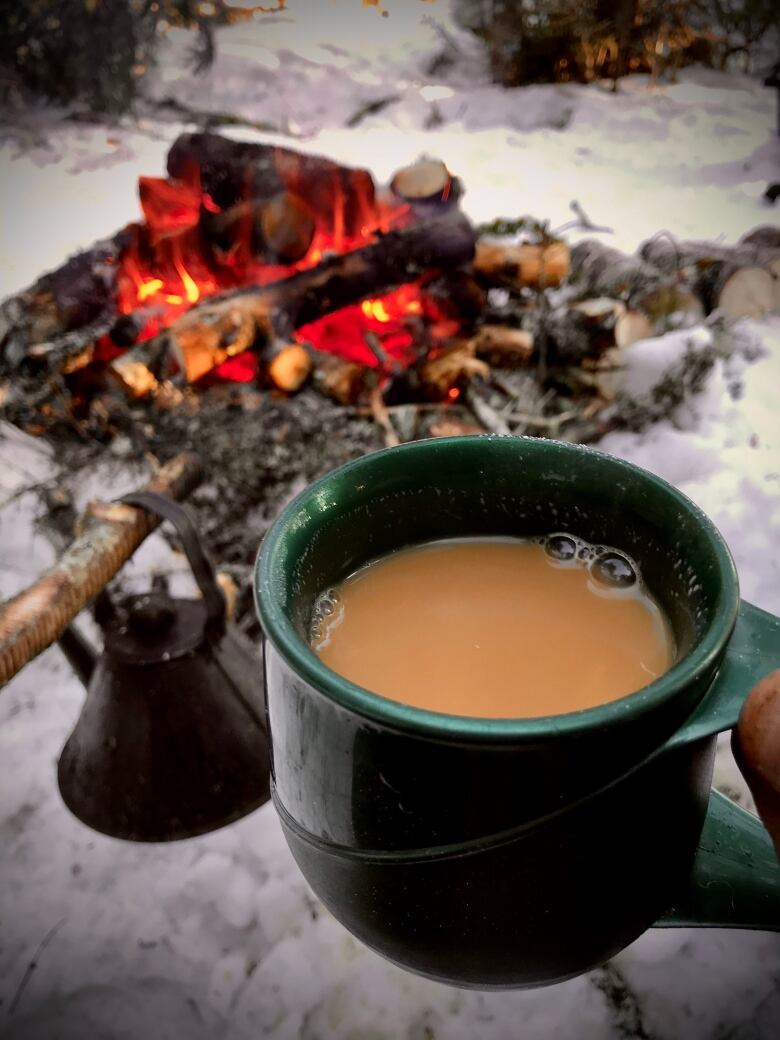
(391, 319)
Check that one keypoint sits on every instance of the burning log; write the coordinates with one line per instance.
(737, 280)
(230, 172)
(109, 535)
(276, 231)
(65, 311)
(220, 187)
(527, 264)
(257, 317)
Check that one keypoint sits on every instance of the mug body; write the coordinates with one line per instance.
(551, 842)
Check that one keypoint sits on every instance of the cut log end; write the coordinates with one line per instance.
(631, 327)
(747, 293)
(426, 179)
(290, 367)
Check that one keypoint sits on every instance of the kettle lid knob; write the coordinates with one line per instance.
(150, 615)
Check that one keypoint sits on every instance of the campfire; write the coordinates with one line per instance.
(266, 267)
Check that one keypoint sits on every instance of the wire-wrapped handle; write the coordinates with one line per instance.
(108, 536)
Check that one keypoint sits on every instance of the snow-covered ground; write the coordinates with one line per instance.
(219, 936)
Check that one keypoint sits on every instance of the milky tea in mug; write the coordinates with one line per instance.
(496, 627)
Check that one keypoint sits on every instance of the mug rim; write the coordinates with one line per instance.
(279, 629)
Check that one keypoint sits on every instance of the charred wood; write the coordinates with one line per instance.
(231, 172)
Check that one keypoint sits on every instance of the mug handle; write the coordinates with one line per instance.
(735, 879)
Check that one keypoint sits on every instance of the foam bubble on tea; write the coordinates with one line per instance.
(496, 628)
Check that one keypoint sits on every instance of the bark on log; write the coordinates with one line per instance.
(737, 280)
(604, 271)
(765, 236)
(224, 326)
(64, 311)
(343, 381)
(671, 256)
(109, 535)
(534, 266)
(569, 336)
(279, 230)
(234, 171)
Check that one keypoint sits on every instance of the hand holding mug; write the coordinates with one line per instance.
(756, 744)
(497, 852)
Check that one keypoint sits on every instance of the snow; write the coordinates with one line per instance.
(220, 936)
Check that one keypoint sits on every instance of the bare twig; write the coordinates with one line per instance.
(382, 418)
(371, 108)
(33, 964)
(485, 413)
(583, 222)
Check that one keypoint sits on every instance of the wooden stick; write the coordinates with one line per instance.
(109, 535)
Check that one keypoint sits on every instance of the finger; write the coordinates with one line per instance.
(757, 749)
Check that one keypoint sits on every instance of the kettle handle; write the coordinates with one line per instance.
(201, 566)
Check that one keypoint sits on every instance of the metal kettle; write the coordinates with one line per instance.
(171, 741)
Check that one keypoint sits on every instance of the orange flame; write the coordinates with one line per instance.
(147, 289)
(191, 290)
(375, 309)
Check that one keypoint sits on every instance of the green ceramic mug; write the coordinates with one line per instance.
(514, 852)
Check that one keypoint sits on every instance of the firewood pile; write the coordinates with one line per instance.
(506, 328)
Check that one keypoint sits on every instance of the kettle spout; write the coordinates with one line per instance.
(81, 655)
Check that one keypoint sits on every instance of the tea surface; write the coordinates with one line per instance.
(495, 628)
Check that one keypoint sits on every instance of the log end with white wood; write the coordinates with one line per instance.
(745, 292)
(289, 366)
(424, 181)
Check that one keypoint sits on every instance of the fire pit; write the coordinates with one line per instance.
(281, 313)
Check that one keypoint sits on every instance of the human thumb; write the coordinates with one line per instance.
(756, 743)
